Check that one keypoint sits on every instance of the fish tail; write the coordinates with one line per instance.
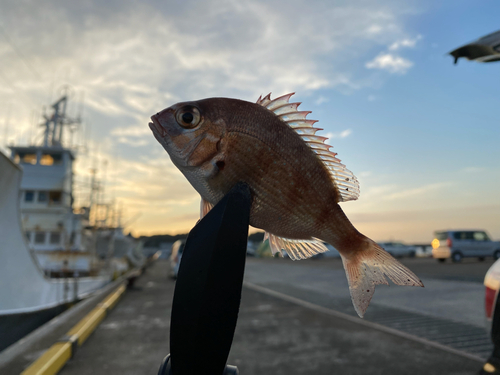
(368, 266)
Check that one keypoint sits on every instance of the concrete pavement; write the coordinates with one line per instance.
(461, 301)
(273, 336)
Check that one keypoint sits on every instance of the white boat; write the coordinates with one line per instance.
(28, 298)
(50, 254)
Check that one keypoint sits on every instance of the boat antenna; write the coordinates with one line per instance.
(54, 124)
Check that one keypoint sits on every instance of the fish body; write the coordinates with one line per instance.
(296, 182)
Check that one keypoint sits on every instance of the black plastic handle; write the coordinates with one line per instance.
(208, 289)
(166, 368)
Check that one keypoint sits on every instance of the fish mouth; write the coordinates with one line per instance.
(157, 128)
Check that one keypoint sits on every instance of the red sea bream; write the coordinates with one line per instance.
(295, 180)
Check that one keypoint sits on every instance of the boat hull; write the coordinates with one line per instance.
(16, 326)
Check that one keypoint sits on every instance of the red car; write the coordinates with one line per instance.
(492, 283)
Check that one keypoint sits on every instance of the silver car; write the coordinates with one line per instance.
(459, 244)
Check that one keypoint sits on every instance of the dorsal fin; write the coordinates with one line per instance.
(345, 181)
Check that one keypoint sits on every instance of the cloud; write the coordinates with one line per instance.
(390, 62)
(422, 190)
(134, 142)
(391, 192)
(321, 99)
(342, 134)
(125, 54)
(405, 43)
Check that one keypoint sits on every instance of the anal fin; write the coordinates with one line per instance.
(296, 249)
(370, 267)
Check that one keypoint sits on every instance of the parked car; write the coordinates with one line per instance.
(251, 249)
(175, 257)
(492, 284)
(398, 249)
(459, 244)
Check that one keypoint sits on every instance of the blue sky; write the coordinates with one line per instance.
(421, 134)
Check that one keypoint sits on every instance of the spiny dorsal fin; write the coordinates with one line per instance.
(344, 179)
(296, 249)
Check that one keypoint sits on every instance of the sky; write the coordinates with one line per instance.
(421, 134)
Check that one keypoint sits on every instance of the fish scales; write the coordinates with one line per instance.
(287, 210)
(296, 182)
(266, 159)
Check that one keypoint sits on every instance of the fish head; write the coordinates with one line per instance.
(189, 132)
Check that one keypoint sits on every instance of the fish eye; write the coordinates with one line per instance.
(188, 117)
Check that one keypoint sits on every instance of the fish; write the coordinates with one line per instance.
(296, 181)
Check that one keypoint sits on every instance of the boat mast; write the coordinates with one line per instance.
(53, 134)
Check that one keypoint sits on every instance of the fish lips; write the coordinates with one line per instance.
(158, 130)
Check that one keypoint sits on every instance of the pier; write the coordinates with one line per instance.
(273, 336)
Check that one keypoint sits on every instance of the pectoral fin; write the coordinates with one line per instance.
(205, 208)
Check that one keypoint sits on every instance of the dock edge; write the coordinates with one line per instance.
(52, 361)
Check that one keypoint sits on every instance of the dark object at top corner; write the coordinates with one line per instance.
(484, 49)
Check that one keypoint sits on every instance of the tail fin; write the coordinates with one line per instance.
(369, 267)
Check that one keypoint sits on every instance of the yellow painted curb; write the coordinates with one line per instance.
(111, 300)
(88, 324)
(51, 361)
(58, 354)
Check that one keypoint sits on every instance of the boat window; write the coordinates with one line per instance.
(51, 159)
(46, 159)
(25, 158)
(29, 196)
(39, 237)
(55, 238)
(55, 197)
(42, 196)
